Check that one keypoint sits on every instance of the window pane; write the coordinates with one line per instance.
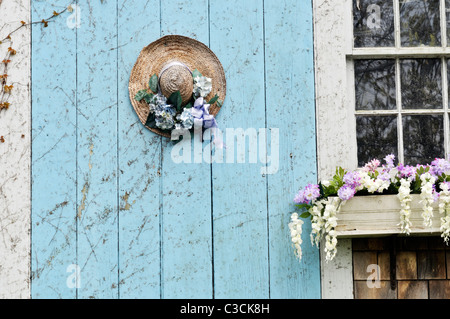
(421, 84)
(423, 138)
(447, 14)
(420, 23)
(375, 84)
(376, 137)
(373, 23)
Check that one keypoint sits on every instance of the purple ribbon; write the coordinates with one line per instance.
(200, 112)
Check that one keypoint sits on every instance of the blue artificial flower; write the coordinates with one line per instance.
(186, 119)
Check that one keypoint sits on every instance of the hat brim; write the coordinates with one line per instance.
(192, 53)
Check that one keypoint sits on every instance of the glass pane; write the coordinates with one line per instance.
(376, 137)
(447, 14)
(421, 84)
(420, 23)
(448, 79)
(375, 84)
(423, 138)
(373, 23)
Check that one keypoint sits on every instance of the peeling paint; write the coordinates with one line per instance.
(82, 206)
(126, 205)
(91, 152)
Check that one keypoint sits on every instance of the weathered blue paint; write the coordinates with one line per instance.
(138, 224)
(97, 130)
(139, 154)
(239, 190)
(186, 190)
(53, 230)
(290, 107)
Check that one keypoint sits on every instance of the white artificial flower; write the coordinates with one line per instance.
(444, 209)
(295, 227)
(393, 174)
(202, 86)
(404, 195)
(427, 198)
(317, 222)
(326, 183)
(332, 207)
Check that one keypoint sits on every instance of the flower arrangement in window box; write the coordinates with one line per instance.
(350, 203)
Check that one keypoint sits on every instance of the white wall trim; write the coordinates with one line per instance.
(336, 133)
(15, 156)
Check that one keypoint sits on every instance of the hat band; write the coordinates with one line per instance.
(168, 66)
(171, 64)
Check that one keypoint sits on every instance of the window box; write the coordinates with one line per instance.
(376, 215)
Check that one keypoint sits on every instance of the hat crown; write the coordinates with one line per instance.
(176, 76)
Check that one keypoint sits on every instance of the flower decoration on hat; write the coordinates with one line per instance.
(170, 107)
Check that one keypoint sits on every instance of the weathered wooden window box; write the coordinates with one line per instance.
(378, 215)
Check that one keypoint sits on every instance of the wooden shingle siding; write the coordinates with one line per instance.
(439, 289)
(421, 268)
(384, 292)
(412, 289)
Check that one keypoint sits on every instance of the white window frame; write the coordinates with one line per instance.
(335, 107)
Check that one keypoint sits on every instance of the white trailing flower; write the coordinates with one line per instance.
(295, 227)
(317, 222)
(427, 198)
(444, 209)
(332, 207)
(404, 195)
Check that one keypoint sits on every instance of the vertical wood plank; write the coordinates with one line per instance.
(15, 154)
(291, 109)
(239, 189)
(333, 21)
(337, 275)
(186, 222)
(97, 211)
(139, 163)
(54, 153)
(336, 144)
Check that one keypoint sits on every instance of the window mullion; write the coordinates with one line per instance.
(445, 106)
(445, 79)
(397, 24)
(443, 24)
(398, 93)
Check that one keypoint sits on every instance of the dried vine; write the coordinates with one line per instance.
(5, 87)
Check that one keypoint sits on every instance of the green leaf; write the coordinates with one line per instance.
(307, 206)
(196, 73)
(140, 95)
(219, 103)
(175, 100)
(148, 97)
(305, 215)
(214, 99)
(151, 120)
(188, 106)
(153, 83)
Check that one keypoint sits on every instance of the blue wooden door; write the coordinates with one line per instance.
(112, 209)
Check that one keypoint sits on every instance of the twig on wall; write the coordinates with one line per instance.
(6, 88)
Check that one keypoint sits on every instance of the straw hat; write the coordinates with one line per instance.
(173, 58)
